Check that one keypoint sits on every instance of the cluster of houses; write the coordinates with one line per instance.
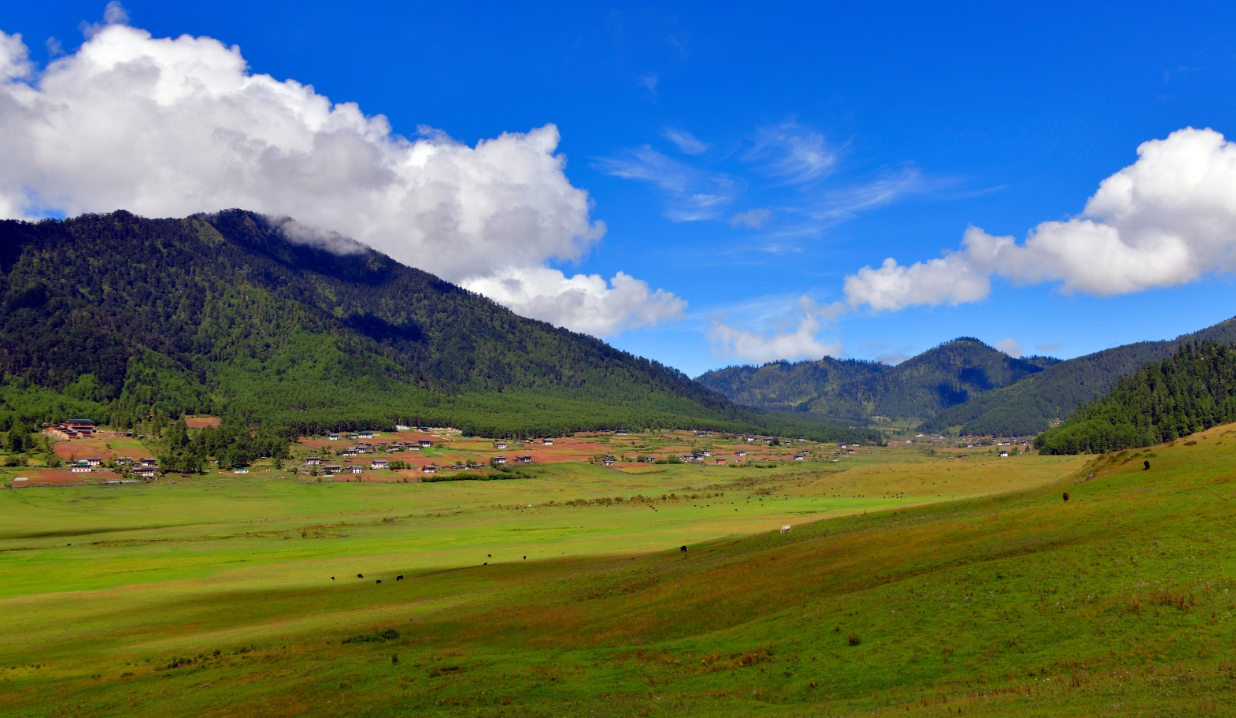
(72, 429)
(143, 468)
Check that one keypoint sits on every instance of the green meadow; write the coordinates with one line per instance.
(910, 584)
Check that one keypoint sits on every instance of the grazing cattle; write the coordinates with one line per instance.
(785, 529)
(378, 581)
(1066, 497)
(683, 549)
(360, 575)
(1146, 465)
(399, 578)
(485, 564)
(525, 558)
(332, 578)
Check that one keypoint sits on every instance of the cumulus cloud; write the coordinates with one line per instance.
(586, 301)
(799, 342)
(170, 127)
(1010, 346)
(1167, 219)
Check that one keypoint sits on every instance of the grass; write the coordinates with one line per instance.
(930, 586)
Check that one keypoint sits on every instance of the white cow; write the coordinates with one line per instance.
(785, 529)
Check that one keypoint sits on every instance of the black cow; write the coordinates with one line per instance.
(360, 575)
(1146, 464)
(332, 578)
(1066, 497)
(399, 578)
(378, 581)
(683, 549)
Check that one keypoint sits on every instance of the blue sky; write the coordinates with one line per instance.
(743, 157)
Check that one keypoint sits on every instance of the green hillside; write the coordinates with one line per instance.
(1189, 392)
(124, 319)
(1030, 405)
(942, 377)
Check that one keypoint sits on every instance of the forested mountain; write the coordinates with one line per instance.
(942, 377)
(124, 318)
(1030, 405)
(1190, 391)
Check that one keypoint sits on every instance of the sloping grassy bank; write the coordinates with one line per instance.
(1116, 602)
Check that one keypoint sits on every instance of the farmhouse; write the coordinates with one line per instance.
(332, 437)
(720, 462)
(149, 462)
(332, 468)
(501, 445)
(379, 464)
(85, 427)
(144, 472)
(357, 469)
(241, 470)
(523, 459)
(740, 454)
(607, 462)
(313, 461)
(547, 442)
(80, 467)
(426, 444)
(649, 459)
(621, 432)
(499, 459)
(429, 469)
(94, 461)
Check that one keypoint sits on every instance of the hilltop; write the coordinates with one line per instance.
(937, 379)
(1030, 405)
(122, 319)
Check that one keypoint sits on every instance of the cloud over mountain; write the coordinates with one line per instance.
(1167, 219)
(170, 127)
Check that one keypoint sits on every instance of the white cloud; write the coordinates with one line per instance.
(1167, 219)
(687, 143)
(1010, 346)
(170, 127)
(1049, 347)
(649, 80)
(795, 153)
(800, 342)
(587, 302)
(754, 219)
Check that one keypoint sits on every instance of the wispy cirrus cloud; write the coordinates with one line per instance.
(692, 194)
(687, 143)
(792, 153)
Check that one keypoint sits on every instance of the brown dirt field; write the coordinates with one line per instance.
(201, 422)
(64, 477)
(82, 449)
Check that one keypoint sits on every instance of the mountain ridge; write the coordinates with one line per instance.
(220, 313)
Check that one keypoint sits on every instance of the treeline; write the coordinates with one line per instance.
(231, 443)
(1191, 391)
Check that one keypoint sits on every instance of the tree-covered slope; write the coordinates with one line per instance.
(1030, 405)
(1191, 391)
(128, 318)
(942, 377)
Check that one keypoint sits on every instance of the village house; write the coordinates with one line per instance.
(429, 469)
(720, 462)
(84, 427)
(426, 444)
(149, 462)
(523, 459)
(94, 461)
(313, 461)
(332, 437)
(379, 464)
(501, 445)
(649, 459)
(621, 432)
(80, 467)
(144, 472)
(607, 462)
(357, 469)
(332, 468)
(241, 470)
(740, 453)
(499, 459)
(547, 442)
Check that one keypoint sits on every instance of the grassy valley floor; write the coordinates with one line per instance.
(910, 584)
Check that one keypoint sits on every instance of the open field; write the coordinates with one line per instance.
(964, 584)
